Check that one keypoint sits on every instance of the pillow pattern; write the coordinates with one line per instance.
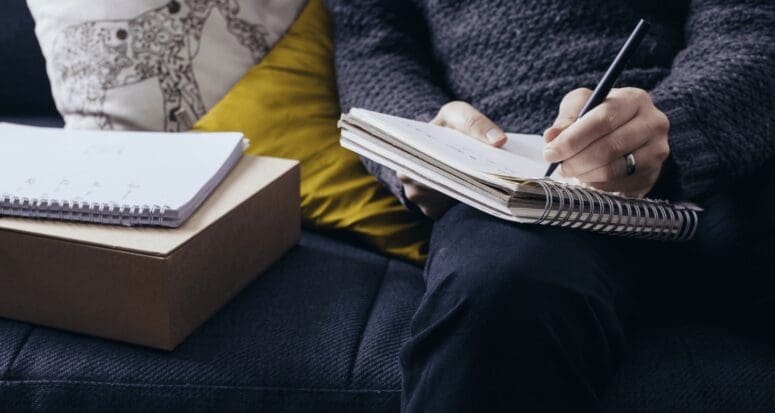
(152, 64)
(287, 106)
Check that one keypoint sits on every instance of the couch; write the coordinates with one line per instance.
(321, 330)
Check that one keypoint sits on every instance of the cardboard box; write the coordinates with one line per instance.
(151, 286)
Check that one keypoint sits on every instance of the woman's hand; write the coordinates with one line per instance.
(464, 118)
(593, 149)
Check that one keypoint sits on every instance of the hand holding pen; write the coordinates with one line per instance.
(615, 141)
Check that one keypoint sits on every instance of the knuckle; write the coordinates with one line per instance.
(653, 161)
(653, 129)
(452, 104)
(444, 109)
(659, 126)
(606, 120)
(664, 121)
(636, 94)
(610, 119)
(618, 92)
(663, 152)
(472, 119)
(449, 107)
(644, 96)
(580, 92)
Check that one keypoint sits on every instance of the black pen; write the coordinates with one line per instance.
(613, 72)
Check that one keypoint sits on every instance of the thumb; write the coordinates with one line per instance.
(466, 119)
(560, 124)
(570, 107)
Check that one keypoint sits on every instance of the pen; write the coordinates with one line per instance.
(610, 76)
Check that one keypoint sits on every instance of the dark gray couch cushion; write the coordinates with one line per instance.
(691, 366)
(320, 331)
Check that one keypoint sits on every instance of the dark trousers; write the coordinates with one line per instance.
(530, 318)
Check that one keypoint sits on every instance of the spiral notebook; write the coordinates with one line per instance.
(508, 182)
(119, 178)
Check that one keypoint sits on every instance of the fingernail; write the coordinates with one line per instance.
(494, 135)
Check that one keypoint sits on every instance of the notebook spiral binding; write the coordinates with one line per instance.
(576, 207)
(112, 214)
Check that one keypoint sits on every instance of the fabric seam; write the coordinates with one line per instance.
(18, 351)
(369, 313)
(191, 386)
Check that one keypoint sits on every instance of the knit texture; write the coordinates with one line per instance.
(708, 65)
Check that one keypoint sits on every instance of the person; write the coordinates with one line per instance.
(524, 318)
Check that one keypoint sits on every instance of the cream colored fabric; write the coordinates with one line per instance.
(152, 64)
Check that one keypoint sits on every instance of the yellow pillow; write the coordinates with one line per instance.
(287, 107)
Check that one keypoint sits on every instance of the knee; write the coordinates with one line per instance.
(512, 290)
(515, 274)
(526, 286)
(500, 286)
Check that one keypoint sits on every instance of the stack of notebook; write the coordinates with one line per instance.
(508, 182)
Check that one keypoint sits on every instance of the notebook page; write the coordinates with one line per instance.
(122, 168)
(520, 157)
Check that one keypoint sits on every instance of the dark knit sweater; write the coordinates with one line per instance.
(709, 65)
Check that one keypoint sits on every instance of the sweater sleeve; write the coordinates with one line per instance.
(384, 63)
(720, 97)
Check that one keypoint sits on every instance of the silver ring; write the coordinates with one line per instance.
(631, 166)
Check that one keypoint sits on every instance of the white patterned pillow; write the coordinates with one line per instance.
(152, 64)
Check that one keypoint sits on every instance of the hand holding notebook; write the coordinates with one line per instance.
(507, 182)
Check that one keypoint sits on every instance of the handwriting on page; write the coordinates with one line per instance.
(104, 150)
(471, 152)
(519, 158)
(48, 186)
(42, 188)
